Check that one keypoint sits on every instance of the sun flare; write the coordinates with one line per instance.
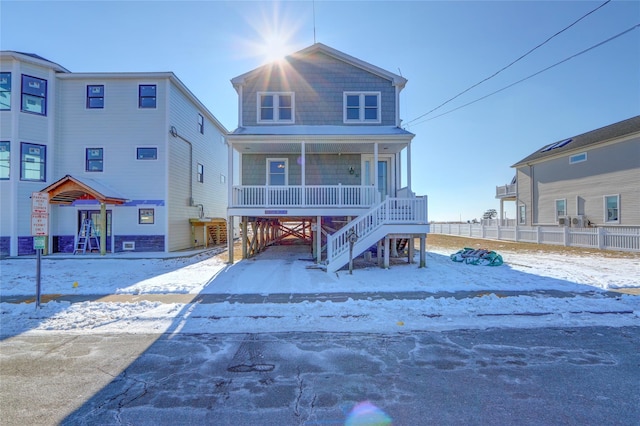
(275, 48)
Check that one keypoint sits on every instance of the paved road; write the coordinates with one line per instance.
(575, 376)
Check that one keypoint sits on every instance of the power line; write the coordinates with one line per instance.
(532, 75)
(509, 65)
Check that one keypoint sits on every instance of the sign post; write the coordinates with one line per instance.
(39, 231)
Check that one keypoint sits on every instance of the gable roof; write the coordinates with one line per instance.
(585, 140)
(396, 80)
(69, 189)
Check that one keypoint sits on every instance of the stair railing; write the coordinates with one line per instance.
(391, 210)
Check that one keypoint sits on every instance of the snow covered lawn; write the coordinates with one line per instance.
(553, 289)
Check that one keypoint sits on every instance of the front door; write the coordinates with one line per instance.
(380, 174)
(94, 215)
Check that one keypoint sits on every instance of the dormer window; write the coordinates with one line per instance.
(362, 107)
(275, 107)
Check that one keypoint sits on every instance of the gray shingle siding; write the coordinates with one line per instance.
(318, 82)
(322, 169)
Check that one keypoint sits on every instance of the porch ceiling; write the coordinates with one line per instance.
(286, 147)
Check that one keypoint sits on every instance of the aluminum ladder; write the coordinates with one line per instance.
(87, 239)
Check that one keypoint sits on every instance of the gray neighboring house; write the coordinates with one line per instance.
(592, 179)
(319, 157)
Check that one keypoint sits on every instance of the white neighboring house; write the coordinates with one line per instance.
(137, 153)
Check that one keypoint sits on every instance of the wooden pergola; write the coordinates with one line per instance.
(69, 189)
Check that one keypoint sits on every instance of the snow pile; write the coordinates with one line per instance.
(528, 290)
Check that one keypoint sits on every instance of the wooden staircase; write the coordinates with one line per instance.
(400, 216)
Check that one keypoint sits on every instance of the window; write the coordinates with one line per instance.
(362, 107)
(275, 107)
(147, 153)
(34, 95)
(200, 173)
(276, 171)
(33, 162)
(611, 208)
(147, 96)
(201, 123)
(146, 216)
(5, 91)
(94, 160)
(5, 160)
(95, 96)
(561, 208)
(522, 216)
(578, 158)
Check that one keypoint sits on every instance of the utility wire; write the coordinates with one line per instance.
(509, 65)
(532, 75)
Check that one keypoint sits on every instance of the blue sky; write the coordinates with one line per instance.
(442, 48)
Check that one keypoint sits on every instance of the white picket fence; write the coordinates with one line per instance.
(605, 237)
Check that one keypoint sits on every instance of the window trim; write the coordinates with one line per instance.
(43, 163)
(147, 210)
(86, 159)
(89, 97)
(276, 108)
(361, 107)
(8, 160)
(606, 208)
(200, 172)
(154, 97)
(27, 94)
(522, 214)
(564, 202)
(201, 123)
(138, 148)
(7, 88)
(574, 158)
(286, 170)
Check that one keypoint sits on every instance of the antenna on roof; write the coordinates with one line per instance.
(314, 21)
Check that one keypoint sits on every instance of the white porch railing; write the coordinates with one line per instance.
(506, 191)
(390, 211)
(304, 196)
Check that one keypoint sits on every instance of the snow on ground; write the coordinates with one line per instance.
(551, 289)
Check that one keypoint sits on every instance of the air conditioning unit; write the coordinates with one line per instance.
(578, 221)
(564, 221)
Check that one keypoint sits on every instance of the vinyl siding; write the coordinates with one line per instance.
(609, 170)
(318, 83)
(321, 169)
(208, 149)
(119, 129)
(524, 195)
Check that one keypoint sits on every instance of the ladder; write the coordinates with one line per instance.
(87, 239)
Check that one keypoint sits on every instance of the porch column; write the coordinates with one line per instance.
(230, 177)
(245, 237)
(386, 252)
(303, 164)
(409, 166)
(375, 169)
(318, 238)
(230, 238)
(103, 229)
(423, 249)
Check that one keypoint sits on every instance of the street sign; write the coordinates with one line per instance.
(38, 243)
(39, 224)
(40, 202)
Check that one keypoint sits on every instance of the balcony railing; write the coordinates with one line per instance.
(506, 191)
(304, 196)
